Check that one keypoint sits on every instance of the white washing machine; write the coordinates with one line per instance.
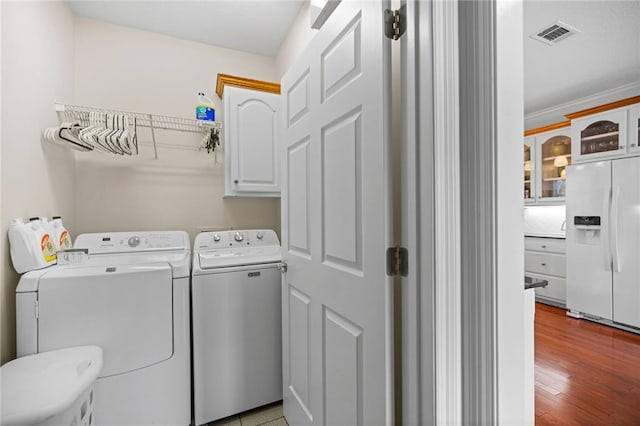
(131, 298)
(237, 322)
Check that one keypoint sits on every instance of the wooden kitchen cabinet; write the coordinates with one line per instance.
(545, 258)
(251, 138)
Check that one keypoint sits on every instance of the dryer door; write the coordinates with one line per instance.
(125, 309)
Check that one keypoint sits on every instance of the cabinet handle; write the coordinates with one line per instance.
(543, 264)
(543, 246)
(235, 181)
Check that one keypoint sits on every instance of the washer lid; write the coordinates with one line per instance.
(39, 386)
(237, 257)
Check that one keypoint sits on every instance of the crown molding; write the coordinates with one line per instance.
(554, 126)
(580, 103)
(245, 83)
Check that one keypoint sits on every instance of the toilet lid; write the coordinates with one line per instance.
(40, 386)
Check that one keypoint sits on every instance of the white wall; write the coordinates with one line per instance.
(37, 178)
(297, 39)
(134, 70)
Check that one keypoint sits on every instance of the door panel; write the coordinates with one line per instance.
(341, 60)
(298, 202)
(336, 219)
(342, 370)
(126, 310)
(625, 219)
(342, 193)
(298, 99)
(299, 333)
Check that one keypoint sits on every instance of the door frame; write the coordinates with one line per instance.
(462, 301)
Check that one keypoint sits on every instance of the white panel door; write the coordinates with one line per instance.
(588, 250)
(336, 224)
(625, 241)
(252, 148)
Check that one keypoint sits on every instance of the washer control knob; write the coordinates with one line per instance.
(259, 235)
(216, 237)
(134, 241)
(238, 237)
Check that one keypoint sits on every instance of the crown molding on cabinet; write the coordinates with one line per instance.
(245, 83)
(598, 98)
(603, 108)
(543, 129)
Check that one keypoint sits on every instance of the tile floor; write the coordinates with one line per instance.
(269, 415)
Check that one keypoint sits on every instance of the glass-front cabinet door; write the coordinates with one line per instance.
(529, 169)
(554, 152)
(599, 135)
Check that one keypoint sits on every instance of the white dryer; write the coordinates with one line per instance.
(237, 322)
(131, 297)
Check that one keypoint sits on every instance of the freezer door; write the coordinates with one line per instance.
(589, 273)
(625, 241)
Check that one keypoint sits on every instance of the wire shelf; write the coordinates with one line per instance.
(80, 113)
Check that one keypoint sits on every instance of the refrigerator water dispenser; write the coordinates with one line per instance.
(587, 229)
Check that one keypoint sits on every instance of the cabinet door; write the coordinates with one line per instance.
(634, 129)
(554, 155)
(529, 170)
(599, 136)
(251, 137)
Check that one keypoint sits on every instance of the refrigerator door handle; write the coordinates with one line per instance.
(605, 241)
(615, 249)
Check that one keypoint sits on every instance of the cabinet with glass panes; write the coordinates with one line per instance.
(600, 136)
(546, 156)
(529, 170)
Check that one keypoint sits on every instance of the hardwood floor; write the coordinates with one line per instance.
(586, 373)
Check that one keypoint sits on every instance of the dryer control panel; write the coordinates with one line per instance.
(236, 239)
(132, 242)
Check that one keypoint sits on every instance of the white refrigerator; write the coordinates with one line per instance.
(603, 240)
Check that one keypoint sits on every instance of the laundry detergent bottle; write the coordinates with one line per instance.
(205, 109)
(23, 247)
(59, 234)
(46, 247)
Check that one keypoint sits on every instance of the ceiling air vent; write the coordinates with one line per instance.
(554, 33)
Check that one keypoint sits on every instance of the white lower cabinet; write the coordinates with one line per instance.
(545, 258)
(252, 150)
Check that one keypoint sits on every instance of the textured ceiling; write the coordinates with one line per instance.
(603, 56)
(251, 26)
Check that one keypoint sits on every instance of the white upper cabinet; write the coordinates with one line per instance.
(529, 170)
(546, 155)
(634, 129)
(251, 138)
(599, 136)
